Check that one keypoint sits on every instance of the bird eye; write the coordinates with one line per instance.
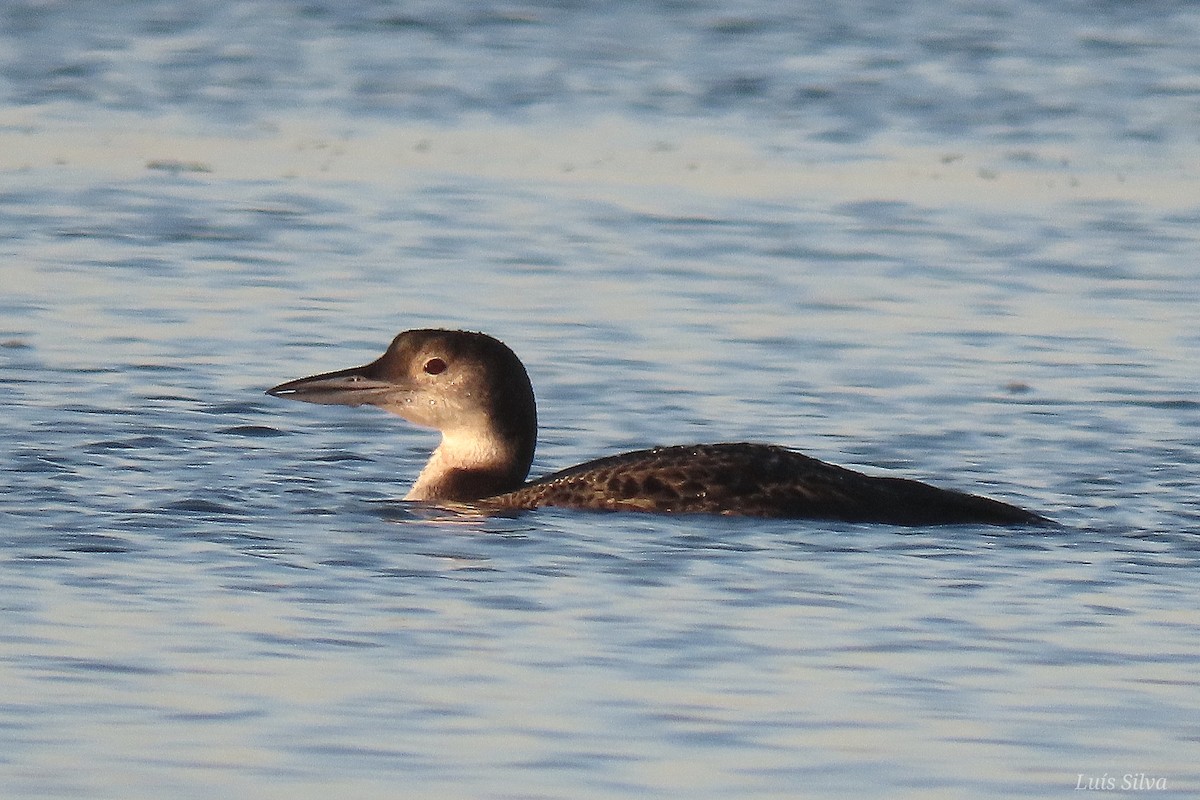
(435, 366)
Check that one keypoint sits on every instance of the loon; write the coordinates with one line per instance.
(475, 390)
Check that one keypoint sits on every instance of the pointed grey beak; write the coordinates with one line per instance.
(346, 387)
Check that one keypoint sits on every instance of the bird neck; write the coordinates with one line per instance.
(469, 465)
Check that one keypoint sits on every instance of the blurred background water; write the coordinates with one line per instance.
(947, 240)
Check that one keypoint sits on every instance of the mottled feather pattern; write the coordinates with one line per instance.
(751, 480)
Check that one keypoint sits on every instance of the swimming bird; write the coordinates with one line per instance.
(475, 390)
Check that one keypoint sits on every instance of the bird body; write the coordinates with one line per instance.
(747, 479)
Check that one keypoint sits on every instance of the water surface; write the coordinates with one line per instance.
(951, 242)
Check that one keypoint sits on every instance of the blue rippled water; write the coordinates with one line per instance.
(951, 241)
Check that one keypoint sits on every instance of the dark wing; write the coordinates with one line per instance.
(753, 480)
